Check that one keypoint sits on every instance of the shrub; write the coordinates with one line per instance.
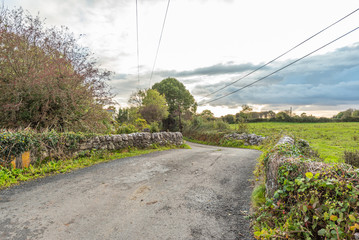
(352, 158)
(242, 126)
(141, 124)
(222, 125)
(48, 80)
(306, 205)
(320, 206)
(231, 143)
(154, 127)
(126, 129)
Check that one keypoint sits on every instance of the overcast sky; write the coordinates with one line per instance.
(207, 44)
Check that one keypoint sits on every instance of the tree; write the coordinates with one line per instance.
(283, 117)
(178, 98)
(271, 114)
(246, 108)
(136, 98)
(355, 113)
(207, 114)
(46, 79)
(123, 115)
(229, 118)
(154, 106)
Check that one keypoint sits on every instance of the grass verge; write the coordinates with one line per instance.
(226, 143)
(12, 176)
(331, 140)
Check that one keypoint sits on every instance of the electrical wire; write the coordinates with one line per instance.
(138, 49)
(306, 40)
(299, 59)
(159, 42)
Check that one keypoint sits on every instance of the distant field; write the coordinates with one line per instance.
(329, 139)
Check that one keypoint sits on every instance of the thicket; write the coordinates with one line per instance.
(206, 131)
(47, 80)
(323, 205)
(352, 158)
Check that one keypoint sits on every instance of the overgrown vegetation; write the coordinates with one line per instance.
(47, 80)
(352, 158)
(11, 176)
(323, 205)
(203, 130)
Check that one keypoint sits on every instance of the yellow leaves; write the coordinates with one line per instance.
(354, 227)
(309, 175)
(333, 218)
(352, 218)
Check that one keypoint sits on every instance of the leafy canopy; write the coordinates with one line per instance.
(154, 106)
(177, 96)
(46, 79)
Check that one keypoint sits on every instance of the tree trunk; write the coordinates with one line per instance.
(179, 118)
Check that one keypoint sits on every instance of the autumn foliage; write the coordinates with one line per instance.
(47, 80)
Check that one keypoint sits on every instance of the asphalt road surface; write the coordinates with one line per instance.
(198, 193)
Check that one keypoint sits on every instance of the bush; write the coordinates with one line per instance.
(352, 158)
(231, 143)
(141, 124)
(320, 206)
(206, 131)
(126, 129)
(306, 205)
(48, 80)
(154, 127)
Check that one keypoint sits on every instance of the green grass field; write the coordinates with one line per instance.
(329, 139)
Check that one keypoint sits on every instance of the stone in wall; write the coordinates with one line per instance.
(250, 139)
(111, 142)
(139, 140)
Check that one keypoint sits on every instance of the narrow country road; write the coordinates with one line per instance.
(198, 193)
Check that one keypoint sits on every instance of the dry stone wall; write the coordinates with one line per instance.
(139, 140)
(249, 139)
(109, 142)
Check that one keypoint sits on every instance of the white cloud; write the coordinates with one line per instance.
(208, 42)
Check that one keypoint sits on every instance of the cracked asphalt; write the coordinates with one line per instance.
(198, 193)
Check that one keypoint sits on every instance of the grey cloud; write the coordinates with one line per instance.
(327, 80)
(218, 69)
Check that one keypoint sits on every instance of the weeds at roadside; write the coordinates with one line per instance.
(352, 158)
(324, 205)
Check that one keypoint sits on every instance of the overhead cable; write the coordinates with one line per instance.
(306, 40)
(159, 42)
(138, 49)
(299, 59)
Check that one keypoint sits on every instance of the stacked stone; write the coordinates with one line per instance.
(139, 140)
(250, 139)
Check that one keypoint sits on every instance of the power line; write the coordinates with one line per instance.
(159, 42)
(306, 40)
(138, 49)
(261, 79)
